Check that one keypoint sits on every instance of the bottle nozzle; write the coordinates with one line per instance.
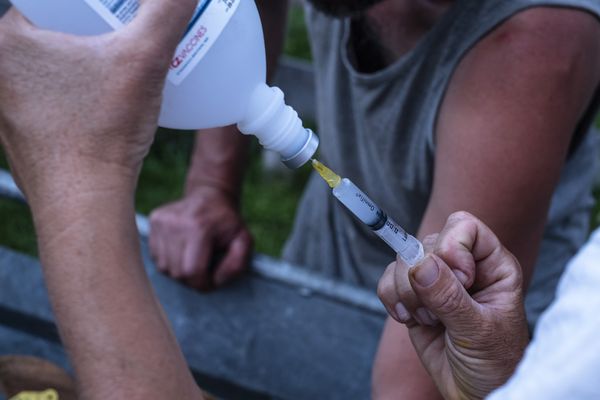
(278, 127)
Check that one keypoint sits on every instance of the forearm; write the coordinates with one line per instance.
(219, 160)
(108, 317)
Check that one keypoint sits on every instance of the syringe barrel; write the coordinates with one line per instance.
(365, 209)
(359, 204)
(406, 246)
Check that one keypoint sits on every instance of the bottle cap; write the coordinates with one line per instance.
(305, 154)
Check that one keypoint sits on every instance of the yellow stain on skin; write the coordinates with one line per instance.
(49, 394)
(332, 179)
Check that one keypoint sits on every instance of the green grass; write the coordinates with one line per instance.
(16, 228)
(16, 225)
(297, 44)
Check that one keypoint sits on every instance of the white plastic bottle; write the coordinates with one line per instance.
(218, 73)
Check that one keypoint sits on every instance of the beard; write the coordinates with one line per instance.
(343, 8)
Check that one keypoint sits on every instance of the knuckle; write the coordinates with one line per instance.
(383, 289)
(450, 301)
(514, 273)
(468, 224)
(460, 216)
(404, 293)
(458, 234)
(463, 222)
(386, 287)
(430, 240)
(443, 249)
(454, 253)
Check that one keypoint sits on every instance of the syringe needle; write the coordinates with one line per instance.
(365, 209)
(332, 179)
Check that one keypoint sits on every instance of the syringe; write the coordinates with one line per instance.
(406, 246)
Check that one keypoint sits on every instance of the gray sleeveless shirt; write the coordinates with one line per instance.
(378, 130)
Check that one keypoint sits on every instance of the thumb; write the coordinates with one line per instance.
(438, 288)
(163, 21)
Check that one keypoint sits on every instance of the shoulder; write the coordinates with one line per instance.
(553, 21)
(538, 54)
(554, 38)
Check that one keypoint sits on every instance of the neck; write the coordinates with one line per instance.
(400, 24)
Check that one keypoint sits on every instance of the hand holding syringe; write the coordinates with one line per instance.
(355, 200)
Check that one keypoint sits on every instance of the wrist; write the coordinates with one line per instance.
(84, 221)
(219, 161)
(68, 184)
(203, 187)
(67, 197)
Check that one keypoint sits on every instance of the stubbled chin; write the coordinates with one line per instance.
(343, 8)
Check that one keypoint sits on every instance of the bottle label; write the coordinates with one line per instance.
(207, 24)
(116, 12)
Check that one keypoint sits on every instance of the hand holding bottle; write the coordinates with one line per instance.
(78, 113)
(217, 72)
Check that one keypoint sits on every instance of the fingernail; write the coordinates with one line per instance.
(402, 312)
(427, 272)
(461, 276)
(425, 317)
